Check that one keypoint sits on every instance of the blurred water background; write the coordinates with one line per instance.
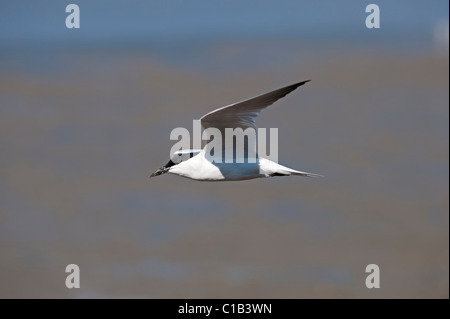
(86, 116)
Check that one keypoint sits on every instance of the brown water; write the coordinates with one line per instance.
(82, 130)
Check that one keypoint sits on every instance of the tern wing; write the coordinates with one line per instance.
(243, 114)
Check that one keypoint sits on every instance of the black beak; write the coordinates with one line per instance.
(164, 169)
(160, 171)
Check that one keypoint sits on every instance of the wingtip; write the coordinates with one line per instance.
(298, 84)
(303, 82)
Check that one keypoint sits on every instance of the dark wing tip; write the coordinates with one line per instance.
(301, 83)
(287, 89)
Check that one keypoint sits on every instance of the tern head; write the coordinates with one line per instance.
(176, 158)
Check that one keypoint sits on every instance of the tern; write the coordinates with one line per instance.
(197, 165)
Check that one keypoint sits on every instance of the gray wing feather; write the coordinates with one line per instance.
(243, 114)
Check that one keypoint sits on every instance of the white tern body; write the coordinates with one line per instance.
(198, 165)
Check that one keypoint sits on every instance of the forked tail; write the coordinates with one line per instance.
(270, 168)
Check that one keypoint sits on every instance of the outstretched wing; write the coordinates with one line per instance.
(243, 114)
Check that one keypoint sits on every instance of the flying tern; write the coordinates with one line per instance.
(196, 164)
